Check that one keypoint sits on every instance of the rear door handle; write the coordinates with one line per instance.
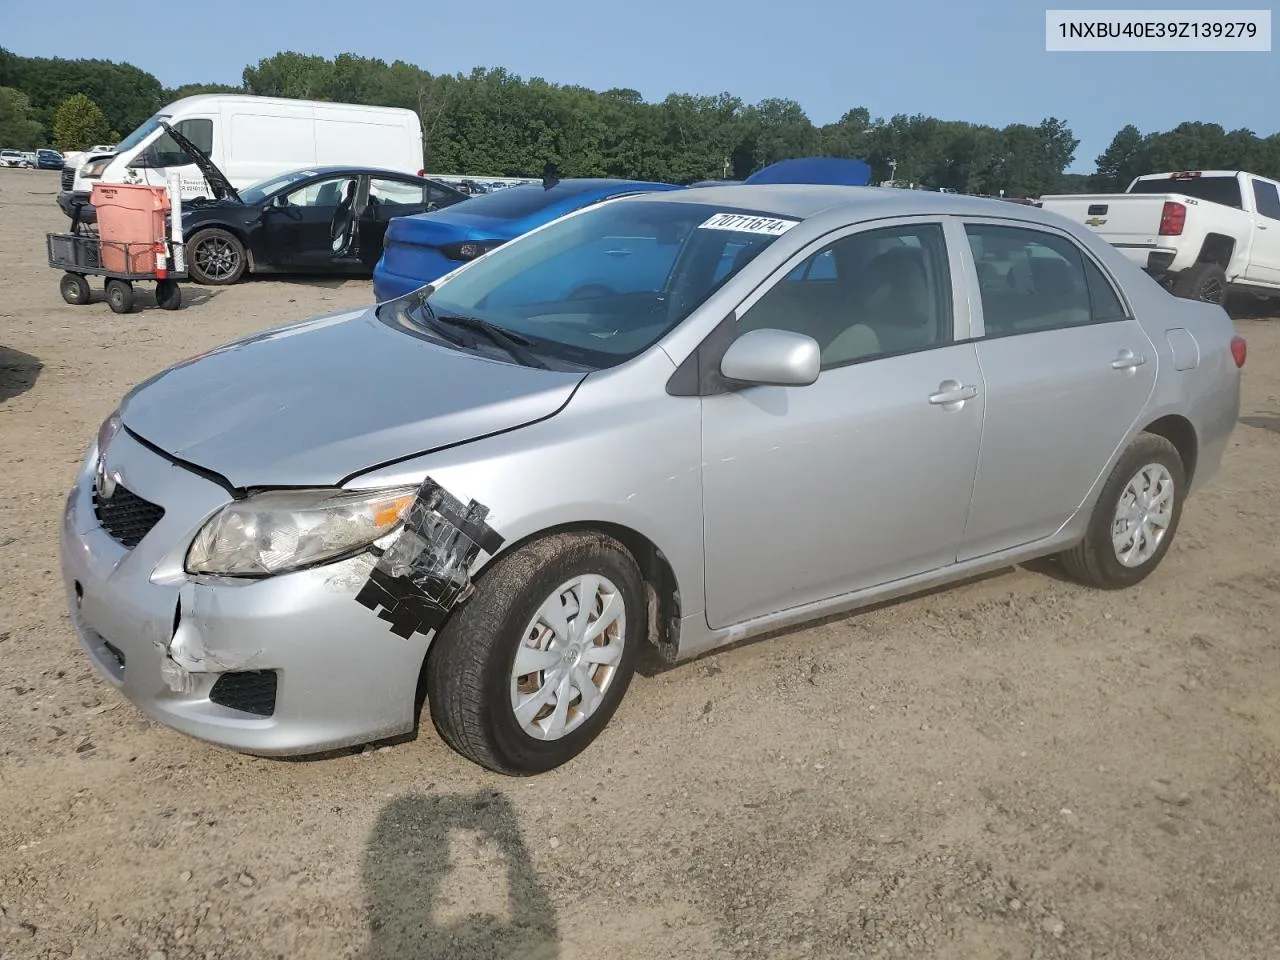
(952, 392)
(1128, 360)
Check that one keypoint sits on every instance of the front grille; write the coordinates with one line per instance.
(68, 178)
(125, 516)
(250, 691)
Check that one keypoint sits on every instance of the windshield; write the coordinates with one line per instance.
(144, 130)
(264, 188)
(1224, 190)
(603, 286)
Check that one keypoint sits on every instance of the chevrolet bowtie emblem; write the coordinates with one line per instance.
(1095, 221)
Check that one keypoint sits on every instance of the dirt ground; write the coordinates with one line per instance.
(1017, 768)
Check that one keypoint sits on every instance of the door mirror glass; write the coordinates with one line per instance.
(774, 357)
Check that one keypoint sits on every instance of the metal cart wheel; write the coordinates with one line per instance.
(74, 289)
(120, 295)
(168, 294)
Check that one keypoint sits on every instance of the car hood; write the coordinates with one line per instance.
(312, 403)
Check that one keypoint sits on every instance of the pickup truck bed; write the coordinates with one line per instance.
(1198, 233)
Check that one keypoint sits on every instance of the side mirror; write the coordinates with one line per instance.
(776, 358)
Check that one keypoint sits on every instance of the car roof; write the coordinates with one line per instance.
(803, 201)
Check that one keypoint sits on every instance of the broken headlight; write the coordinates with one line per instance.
(283, 530)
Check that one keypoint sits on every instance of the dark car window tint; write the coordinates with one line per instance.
(866, 295)
(516, 202)
(1266, 199)
(1031, 280)
(1223, 190)
(1103, 301)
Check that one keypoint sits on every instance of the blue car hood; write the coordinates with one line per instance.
(312, 403)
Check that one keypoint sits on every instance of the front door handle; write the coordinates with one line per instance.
(1128, 360)
(951, 393)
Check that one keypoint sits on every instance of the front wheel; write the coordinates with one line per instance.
(1135, 518)
(75, 289)
(528, 673)
(215, 257)
(120, 296)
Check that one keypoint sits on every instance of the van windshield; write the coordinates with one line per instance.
(144, 130)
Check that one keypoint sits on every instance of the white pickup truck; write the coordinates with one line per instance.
(1200, 233)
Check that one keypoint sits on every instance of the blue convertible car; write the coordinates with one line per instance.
(420, 249)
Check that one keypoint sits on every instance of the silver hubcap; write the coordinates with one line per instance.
(217, 258)
(568, 656)
(1143, 515)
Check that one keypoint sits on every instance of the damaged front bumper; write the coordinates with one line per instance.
(287, 665)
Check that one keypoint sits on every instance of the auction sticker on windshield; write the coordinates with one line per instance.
(746, 223)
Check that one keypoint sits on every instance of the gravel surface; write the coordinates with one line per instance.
(1013, 768)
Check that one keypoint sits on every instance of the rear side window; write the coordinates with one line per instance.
(1031, 280)
(1223, 190)
(1266, 199)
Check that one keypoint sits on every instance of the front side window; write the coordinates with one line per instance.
(870, 294)
(322, 193)
(1266, 199)
(1030, 280)
(603, 285)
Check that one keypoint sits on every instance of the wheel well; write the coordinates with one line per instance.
(1178, 431)
(1217, 249)
(661, 589)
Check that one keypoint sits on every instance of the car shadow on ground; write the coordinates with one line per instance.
(18, 372)
(1268, 421)
(449, 876)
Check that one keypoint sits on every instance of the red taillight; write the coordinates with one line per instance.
(422, 173)
(1172, 219)
(1239, 350)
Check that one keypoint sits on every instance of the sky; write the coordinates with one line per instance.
(941, 58)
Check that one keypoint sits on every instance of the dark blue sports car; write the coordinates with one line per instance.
(420, 249)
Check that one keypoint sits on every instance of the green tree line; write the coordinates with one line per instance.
(491, 122)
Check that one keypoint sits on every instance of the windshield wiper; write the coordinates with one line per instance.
(513, 344)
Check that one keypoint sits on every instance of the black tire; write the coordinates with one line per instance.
(75, 289)
(1206, 282)
(470, 661)
(120, 296)
(168, 294)
(1093, 561)
(215, 257)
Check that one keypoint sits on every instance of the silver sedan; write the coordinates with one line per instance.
(672, 420)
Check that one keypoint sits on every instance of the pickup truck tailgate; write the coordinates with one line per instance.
(1120, 218)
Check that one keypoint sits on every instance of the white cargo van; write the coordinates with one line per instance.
(249, 139)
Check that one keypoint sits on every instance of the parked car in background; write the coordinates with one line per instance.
(815, 398)
(421, 249)
(250, 139)
(49, 160)
(318, 220)
(1200, 233)
(14, 158)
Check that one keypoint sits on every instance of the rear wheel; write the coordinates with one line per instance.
(1206, 282)
(215, 257)
(74, 289)
(168, 295)
(527, 674)
(1135, 518)
(120, 296)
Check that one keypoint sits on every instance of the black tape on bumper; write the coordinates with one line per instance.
(426, 572)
